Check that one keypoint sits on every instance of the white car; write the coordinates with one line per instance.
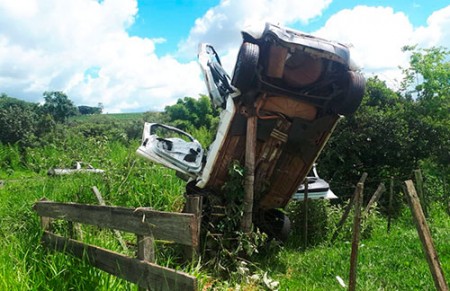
(299, 85)
(318, 188)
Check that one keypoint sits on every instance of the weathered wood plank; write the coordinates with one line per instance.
(420, 192)
(194, 205)
(117, 234)
(146, 248)
(305, 214)
(381, 188)
(176, 227)
(145, 251)
(355, 239)
(425, 236)
(98, 195)
(391, 199)
(144, 274)
(249, 182)
(344, 217)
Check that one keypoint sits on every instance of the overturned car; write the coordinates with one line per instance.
(297, 85)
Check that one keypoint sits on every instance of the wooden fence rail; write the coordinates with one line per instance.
(182, 228)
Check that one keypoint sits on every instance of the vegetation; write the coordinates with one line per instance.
(89, 110)
(391, 134)
(59, 106)
(394, 132)
(189, 113)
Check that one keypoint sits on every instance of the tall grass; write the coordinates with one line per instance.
(391, 261)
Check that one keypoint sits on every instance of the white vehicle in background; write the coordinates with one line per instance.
(318, 188)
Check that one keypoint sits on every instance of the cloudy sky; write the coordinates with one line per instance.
(135, 56)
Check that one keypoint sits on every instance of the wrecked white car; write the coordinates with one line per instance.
(298, 86)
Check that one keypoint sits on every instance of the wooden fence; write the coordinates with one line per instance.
(148, 225)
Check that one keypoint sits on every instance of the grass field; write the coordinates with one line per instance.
(115, 116)
(393, 261)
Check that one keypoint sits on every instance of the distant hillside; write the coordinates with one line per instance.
(115, 116)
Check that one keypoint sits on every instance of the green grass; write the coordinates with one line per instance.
(393, 261)
(112, 116)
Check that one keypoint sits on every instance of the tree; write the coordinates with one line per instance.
(190, 112)
(83, 110)
(375, 139)
(22, 122)
(392, 133)
(59, 106)
(17, 123)
(428, 80)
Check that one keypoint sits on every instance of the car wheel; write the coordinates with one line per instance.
(354, 95)
(245, 68)
(275, 224)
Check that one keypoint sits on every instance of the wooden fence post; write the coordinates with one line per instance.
(115, 231)
(46, 222)
(194, 205)
(420, 192)
(446, 193)
(250, 156)
(355, 240)
(305, 214)
(347, 210)
(391, 198)
(425, 237)
(145, 251)
(381, 188)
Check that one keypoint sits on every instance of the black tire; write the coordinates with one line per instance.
(354, 95)
(275, 224)
(245, 68)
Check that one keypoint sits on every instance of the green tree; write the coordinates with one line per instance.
(17, 120)
(83, 110)
(59, 106)
(190, 112)
(376, 139)
(393, 133)
(427, 81)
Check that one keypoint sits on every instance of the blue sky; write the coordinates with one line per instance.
(172, 20)
(169, 19)
(141, 55)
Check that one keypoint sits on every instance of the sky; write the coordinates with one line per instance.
(136, 56)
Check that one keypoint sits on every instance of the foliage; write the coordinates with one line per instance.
(428, 79)
(59, 106)
(190, 113)
(428, 75)
(377, 139)
(319, 222)
(83, 109)
(10, 158)
(227, 249)
(130, 181)
(17, 124)
(391, 133)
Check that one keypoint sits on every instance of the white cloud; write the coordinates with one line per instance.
(82, 48)
(221, 24)
(377, 35)
(437, 32)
